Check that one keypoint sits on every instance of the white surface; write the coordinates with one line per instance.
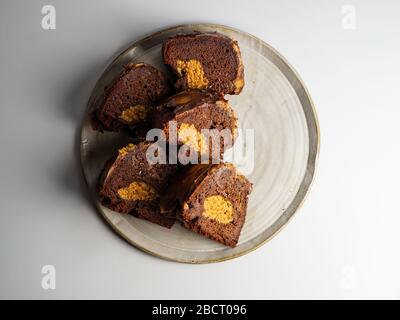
(342, 244)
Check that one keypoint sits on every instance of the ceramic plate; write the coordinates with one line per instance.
(274, 107)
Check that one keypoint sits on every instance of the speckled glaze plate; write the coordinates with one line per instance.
(274, 104)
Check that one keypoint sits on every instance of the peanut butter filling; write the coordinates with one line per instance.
(195, 75)
(189, 135)
(123, 151)
(138, 190)
(218, 208)
(134, 114)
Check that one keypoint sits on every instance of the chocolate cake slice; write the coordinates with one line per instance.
(209, 61)
(130, 184)
(210, 200)
(202, 121)
(129, 99)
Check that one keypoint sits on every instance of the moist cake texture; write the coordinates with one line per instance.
(210, 200)
(128, 101)
(205, 61)
(131, 185)
(193, 114)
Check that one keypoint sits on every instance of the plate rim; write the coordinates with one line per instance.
(313, 161)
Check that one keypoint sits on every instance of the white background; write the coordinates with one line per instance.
(343, 243)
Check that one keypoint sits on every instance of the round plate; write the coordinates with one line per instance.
(274, 106)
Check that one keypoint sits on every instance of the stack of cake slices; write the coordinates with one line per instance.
(203, 193)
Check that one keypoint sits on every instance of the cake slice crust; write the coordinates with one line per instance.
(127, 102)
(205, 61)
(210, 200)
(202, 121)
(133, 186)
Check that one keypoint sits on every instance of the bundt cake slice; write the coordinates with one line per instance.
(202, 121)
(207, 61)
(128, 101)
(210, 200)
(130, 184)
